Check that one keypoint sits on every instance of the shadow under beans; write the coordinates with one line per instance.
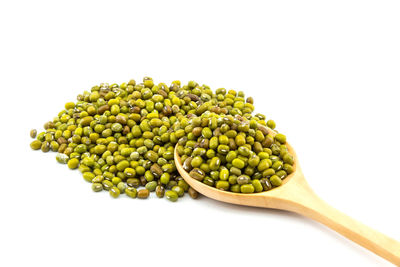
(297, 219)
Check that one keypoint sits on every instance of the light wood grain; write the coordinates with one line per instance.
(296, 195)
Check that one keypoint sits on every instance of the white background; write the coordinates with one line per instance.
(326, 71)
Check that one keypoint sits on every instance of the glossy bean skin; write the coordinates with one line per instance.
(193, 193)
(33, 133)
(179, 190)
(171, 196)
(114, 192)
(247, 188)
(160, 191)
(143, 193)
(97, 187)
(131, 192)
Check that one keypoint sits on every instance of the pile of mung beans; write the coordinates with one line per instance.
(122, 139)
(234, 154)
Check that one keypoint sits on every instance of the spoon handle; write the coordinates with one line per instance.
(310, 205)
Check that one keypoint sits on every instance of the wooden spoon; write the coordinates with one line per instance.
(296, 195)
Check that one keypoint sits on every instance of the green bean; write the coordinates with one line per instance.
(143, 193)
(247, 188)
(193, 193)
(131, 192)
(114, 192)
(179, 190)
(171, 195)
(238, 163)
(160, 191)
(275, 180)
(151, 186)
(97, 187)
(73, 163)
(33, 133)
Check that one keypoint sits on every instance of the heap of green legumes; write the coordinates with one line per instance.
(122, 137)
(234, 154)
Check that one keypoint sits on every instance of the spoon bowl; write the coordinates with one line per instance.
(266, 199)
(297, 196)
